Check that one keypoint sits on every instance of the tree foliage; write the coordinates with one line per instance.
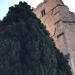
(25, 45)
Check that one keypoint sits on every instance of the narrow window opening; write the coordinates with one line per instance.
(60, 34)
(43, 12)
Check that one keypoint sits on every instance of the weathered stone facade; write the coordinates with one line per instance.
(60, 22)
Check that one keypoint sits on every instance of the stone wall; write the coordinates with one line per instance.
(60, 22)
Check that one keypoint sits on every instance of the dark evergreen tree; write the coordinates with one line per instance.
(25, 45)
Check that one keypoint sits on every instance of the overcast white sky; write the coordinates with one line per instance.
(5, 4)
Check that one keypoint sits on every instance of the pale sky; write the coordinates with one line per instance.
(5, 4)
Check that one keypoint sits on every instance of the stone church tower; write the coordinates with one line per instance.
(60, 22)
